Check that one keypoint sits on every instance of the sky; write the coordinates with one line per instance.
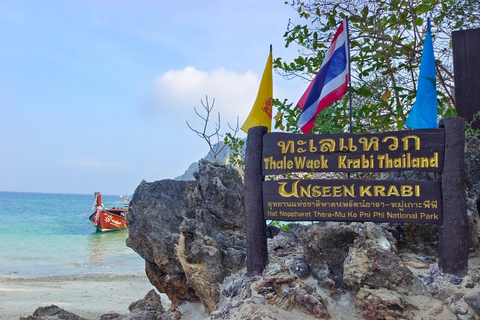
(95, 95)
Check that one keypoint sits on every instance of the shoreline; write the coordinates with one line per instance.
(86, 295)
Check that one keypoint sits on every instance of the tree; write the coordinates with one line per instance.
(386, 41)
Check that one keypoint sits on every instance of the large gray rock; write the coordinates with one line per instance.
(191, 233)
(156, 211)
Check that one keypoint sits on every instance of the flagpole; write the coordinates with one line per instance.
(349, 79)
(349, 174)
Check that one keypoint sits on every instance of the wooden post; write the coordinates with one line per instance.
(453, 235)
(466, 65)
(257, 253)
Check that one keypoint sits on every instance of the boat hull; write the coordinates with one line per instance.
(110, 219)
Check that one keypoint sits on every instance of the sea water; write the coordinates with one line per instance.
(42, 234)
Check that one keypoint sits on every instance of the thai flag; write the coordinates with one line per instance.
(330, 83)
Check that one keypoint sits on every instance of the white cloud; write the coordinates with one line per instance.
(182, 90)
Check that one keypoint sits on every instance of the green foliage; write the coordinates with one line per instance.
(288, 114)
(386, 42)
(469, 131)
(237, 146)
(280, 224)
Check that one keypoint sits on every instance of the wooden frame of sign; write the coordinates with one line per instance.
(394, 201)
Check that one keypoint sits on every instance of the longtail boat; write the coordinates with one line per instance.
(109, 218)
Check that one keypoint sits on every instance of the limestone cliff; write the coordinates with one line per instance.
(190, 233)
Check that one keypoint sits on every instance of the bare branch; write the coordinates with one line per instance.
(213, 139)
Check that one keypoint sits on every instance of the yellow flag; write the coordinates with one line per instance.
(261, 113)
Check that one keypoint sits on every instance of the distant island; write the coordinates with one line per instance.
(222, 157)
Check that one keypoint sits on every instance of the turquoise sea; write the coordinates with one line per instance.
(46, 233)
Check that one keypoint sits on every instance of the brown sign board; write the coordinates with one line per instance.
(419, 150)
(392, 201)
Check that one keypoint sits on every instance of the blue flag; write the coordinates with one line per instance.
(423, 114)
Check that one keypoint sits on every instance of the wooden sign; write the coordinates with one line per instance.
(353, 200)
(420, 150)
(393, 201)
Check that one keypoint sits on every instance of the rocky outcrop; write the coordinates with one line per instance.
(195, 251)
(52, 312)
(149, 308)
(373, 262)
(154, 220)
(378, 283)
(190, 233)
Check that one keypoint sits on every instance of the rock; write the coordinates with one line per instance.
(414, 262)
(272, 269)
(418, 238)
(276, 294)
(473, 301)
(355, 269)
(299, 267)
(307, 299)
(455, 280)
(156, 211)
(202, 275)
(325, 251)
(111, 316)
(191, 233)
(472, 160)
(278, 242)
(369, 264)
(175, 285)
(238, 285)
(383, 304)
(149, 308)
(151, 302)
(428, 280)
(432, 288)
(52, 312)
(283, 240)
(299, 295)
(472, 203)
(460, 308)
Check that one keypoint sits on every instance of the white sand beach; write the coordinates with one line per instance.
(88, 296)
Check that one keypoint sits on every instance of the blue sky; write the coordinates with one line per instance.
(95, 95)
